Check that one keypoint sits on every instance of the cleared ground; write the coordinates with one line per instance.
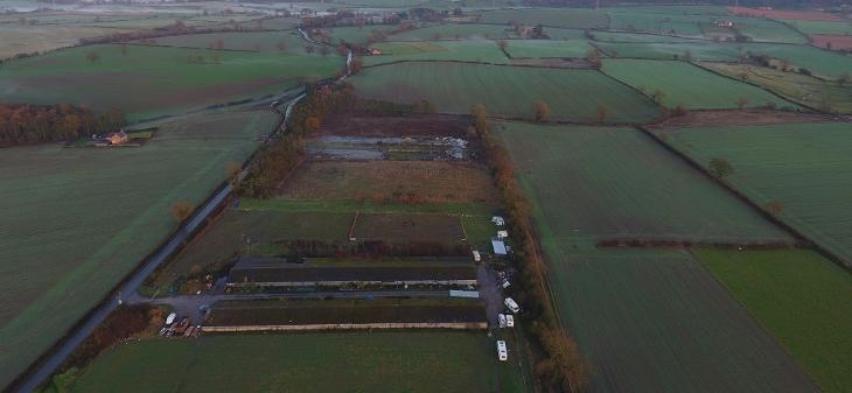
(151, 81)
(402, 228)
(687, 85)
(417, 181)
(616, 182)
(506, 91)
(800, 298)
(26, 39)
(83, 218)
(803, 168)
(325, 362)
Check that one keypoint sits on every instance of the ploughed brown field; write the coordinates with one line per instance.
(396, 181)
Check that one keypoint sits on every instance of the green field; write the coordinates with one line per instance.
(152, 81)
(248, 41)
(451, 31)
(617, 182)
(24, 39)
(311, 362)
(657, 321)
(577, 18)
(480, 51)
(506, 91)
(547, 48)
(767, 30)
(799, 297)
(609, 36)
(355, 34)
(688, 85)
(803, 89)
(698, 50)
(804, 167)
(669, 22)
(821, 27)
(84, 217)
(818, 61)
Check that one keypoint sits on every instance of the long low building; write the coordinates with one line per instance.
(277, 272)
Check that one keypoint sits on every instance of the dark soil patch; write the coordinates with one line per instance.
(739, 118)
(418, 125)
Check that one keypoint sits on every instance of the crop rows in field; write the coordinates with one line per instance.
(800, 298)
(85, 217)
(577, 18)
(802, 167)
(480, 51)
(150, 81)
(597, 183)
(310, 362)
(506, 91)
(657, 321)
(689, 86)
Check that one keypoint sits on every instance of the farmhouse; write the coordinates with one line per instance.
(277, 272)
(726, 23)
(116, 138)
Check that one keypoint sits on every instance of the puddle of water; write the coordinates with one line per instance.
(384, 148)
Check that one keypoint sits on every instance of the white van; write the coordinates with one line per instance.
(512, 305)
(502, 352)
(510, 321)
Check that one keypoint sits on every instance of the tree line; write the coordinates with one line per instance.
(276, 161)
(22, 124)
(561, 366)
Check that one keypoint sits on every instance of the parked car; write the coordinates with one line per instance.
(510, 321)
(502, 352)
(501, 319)
(512, 305)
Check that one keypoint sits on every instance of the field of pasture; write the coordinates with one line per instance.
(480, 51)
(547, 48)
(84, 217)
(800, 298)
(455, 31)
(282, 42)
(687, 85)
(801, 168)
(657, 321)
(506, 91)
(578, 18)
(151, 81)
(628, 187)
(310, 362)
(802, 89)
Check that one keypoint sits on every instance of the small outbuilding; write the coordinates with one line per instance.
(499, 246)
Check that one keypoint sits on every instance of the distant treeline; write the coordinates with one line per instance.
(31, 124)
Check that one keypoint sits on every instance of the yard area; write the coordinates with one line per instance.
(799, 297)
(313, 362)
(84, 218)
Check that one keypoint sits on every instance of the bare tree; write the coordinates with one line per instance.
(602, 113)
(541, 110)
(775, 207)
(93, 57)
(181, 210)
(742, 102)
(721, 168)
